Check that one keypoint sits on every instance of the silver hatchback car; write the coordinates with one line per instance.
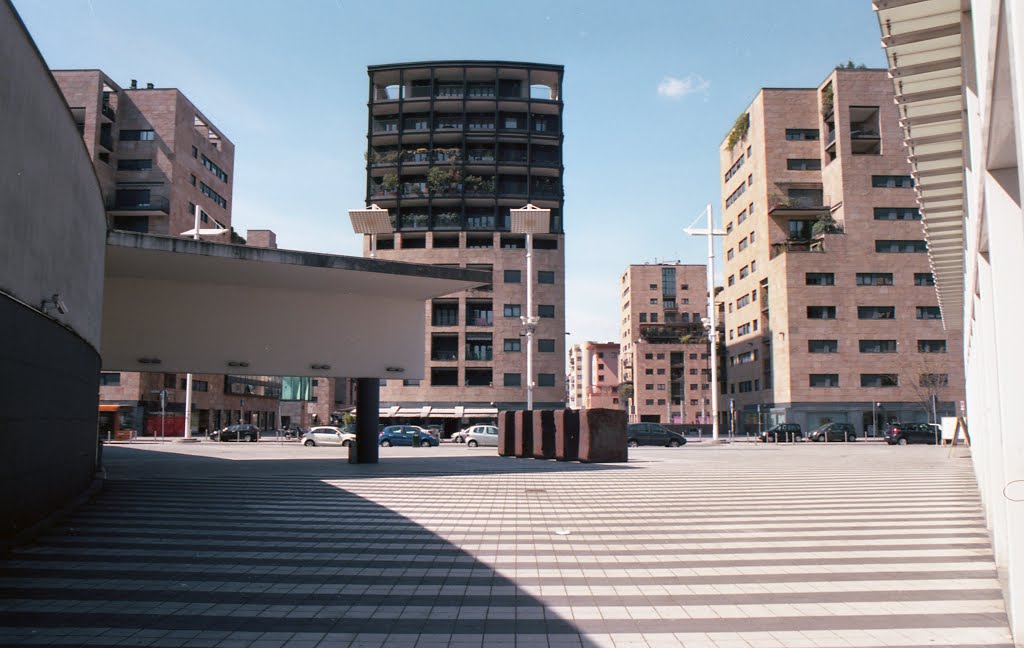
(482, 435)
(326, 435)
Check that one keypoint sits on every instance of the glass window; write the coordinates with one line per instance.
(545, 310)
(897, 247)
(513, 345)
(878, 346)
(545, 277)
(931, 346)
(879, 380)
(513, 310)
(897, 213)
(823, 346)
(890, 181)
(876, 312)
(546, 380)
(924, 279)
(513, 380)
(824, 380)
(874, 278)
(513, 276)
(929, 313)
(820, 279)
(821, 312)
(546, 346)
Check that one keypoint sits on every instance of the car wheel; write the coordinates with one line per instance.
(851, 438)
(424, 444)
(472, 443)
(251, 438)
(309, 443)
(344, 444)
(632, 443)
(385, 444)
(673, 444)
(769, 439)
(902, 441)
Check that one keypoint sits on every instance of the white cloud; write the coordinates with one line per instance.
(674, 88)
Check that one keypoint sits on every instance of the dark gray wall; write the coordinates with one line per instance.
(52, 240)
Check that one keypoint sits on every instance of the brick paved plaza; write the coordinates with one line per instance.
(744, 545)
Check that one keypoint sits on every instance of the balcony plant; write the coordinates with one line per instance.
(739, 130)
(389, 182)
(825, 225)
(827, 101)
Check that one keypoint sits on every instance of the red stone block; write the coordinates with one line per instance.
(567, 435)
(543, 434)
(506, 434)
(524, 433)
(603, 436)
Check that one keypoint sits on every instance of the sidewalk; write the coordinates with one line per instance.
(706, 546)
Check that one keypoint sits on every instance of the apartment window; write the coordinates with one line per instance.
(874, 278)
(820, 279)
(513, 345)
(736, 166)
(213, 195)
(878, 346)
(931, 346)
(479, 377)
(743, 329)
(136, 136)
(890, 181)
(821, 312)
(649, 401)
(901, 247)
(446, 377)
(879, 380)
(513, 310)
(732, 280)
(822, 346)
(110, 379)
(545, 277)
(216, 170)
(734, 196)
(643, 317)
(546, 380)
(897, 214)
(730, 254)
(195, 152)
(513, 380)
(513, 276)
(134, 165)
(744, 272)
(802, 134)
(803, 164)
(876, 312)
(752, 237)
(654, 318)
(728, 228)
(933, 380)
(753, 264)
(546, 346)
(929, 313)
(924, 279)
(653, 301)
(743, 244)
(411, 382)
(648, 356)
(444, 314)
(823, 380)
(742, 301)
(444, 348)
(545, 310)
(481, 314)
(479, 347)
(192, 179)
(741, 217)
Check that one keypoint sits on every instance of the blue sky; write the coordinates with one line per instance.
(286, 82)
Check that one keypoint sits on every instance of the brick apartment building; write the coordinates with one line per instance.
(157, 156)
(593, 380)
(831, 313)
(452, 147)
(664, 352)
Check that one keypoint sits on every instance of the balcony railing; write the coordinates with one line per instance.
(153, 204)
(447, 220)
(108, 112)
(798, 245)
(385, 126)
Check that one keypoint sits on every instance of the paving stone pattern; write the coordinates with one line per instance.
(270, 545)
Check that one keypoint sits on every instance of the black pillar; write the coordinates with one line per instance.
(367, 418)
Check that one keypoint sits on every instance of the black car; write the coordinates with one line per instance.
(638, 434)
(833, 432)
(782, 432)
(239, 432)
(904, 433)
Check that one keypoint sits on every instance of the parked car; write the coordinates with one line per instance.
(407, 435)
(239, 432)
(324, 435)
(638, 434)
(482, 435)
(904, 433)
(833, 432)
(782, 432)
(460, 436)
(293, 432)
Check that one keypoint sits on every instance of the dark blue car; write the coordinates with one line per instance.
(407, 435)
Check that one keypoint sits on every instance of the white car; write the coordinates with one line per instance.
(482, 435)
(460, 436)
(326, 435)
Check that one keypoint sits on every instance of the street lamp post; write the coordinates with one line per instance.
(530, 220)
(712, 326)
(195, 232)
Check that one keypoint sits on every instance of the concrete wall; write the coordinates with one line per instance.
(52, 234)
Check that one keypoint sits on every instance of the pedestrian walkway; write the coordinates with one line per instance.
(270, 545)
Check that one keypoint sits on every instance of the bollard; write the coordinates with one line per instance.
(353, 452)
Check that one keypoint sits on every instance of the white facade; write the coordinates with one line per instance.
(988, 240)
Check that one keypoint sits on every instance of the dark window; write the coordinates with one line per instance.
(479, 347)
(822, 346)
(879, 380)
(546, 346)
(212, 195)
(216, 170)
(802, 134)
(479, 314)
(169, 380)
(824, 380)
(878, 346)
(545, 277)
(821, 312)
(546, 380)
(924, 279)
(820, 279)
(546, 310)
(132, 198)
(513, 310)
(479, 377)
(897, 213)
(801, 229)
(883, 181)
(929, 313)
(803, 164)
(445, 314)
(874, 278)
(513, 345)
(110, 379)
(444, 347)
(933, 380)
(134, 165)
(876, 312)
(444, 377)
(513, 380)
(410, 382)
(195, 152)
(895, 247)
(513, 276)
(192, 180)
(137, 136)
(931, 346)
